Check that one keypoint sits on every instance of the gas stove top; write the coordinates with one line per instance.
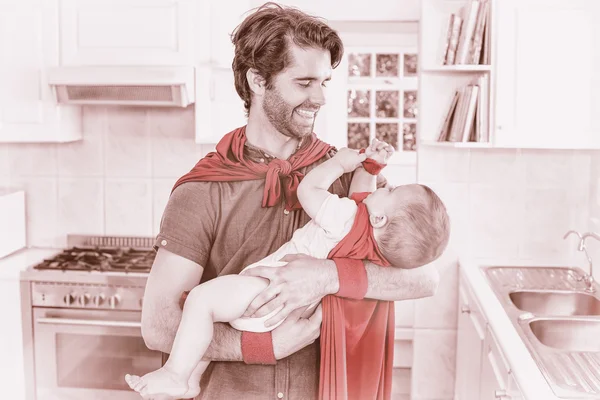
(100, 259)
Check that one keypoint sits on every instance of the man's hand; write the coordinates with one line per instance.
(295, 333)
(379, 151)
(349, 159)
(303, 281)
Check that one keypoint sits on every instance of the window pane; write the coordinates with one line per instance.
(359, 103)
(409, 137)
(358, 135)
(387, 133)
(410, 64)
(387, 103)
(359, 64)
(410, 104)
(387, 64)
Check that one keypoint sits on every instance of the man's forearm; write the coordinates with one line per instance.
(226, 344)
(394, 284)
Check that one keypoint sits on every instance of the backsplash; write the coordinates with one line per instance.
(506, 203)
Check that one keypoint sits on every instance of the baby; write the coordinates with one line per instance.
(410, 226)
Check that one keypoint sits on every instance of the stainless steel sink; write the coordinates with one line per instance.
(555, 302)
(578, 335)
(558, 320)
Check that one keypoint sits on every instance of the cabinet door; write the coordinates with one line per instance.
(128, 32)
(225, 16)
(29, 45)
(494, 371)
(548, 74)
(470, 336)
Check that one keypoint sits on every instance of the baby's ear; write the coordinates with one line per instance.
(378, 221)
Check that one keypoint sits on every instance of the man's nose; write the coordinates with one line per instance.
(317, 96)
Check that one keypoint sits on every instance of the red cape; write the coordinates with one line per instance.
(357, 336)
(282, 177)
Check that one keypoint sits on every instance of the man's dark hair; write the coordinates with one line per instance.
(262, 43)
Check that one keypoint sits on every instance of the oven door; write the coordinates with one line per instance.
(85, 354)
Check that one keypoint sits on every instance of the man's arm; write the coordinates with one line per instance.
(161, 313)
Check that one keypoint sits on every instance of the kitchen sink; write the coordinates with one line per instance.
(555, 302)
(568, 334)
(557, 316)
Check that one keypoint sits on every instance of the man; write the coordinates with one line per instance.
(283, 60)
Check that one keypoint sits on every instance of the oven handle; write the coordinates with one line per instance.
(89, 322)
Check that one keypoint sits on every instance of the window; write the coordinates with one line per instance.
(382, 98)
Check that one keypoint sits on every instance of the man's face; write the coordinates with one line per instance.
(298, 92)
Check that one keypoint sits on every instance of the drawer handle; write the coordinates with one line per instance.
(501, 394)
(465, 310)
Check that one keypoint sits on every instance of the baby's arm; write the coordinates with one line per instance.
(362, 181)
(312, 191)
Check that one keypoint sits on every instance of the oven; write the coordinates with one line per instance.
(82, 320)
(85, 355)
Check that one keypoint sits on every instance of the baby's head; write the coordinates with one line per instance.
(410, 224)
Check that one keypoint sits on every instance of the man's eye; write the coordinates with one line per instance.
(305, 84)
(324, 84)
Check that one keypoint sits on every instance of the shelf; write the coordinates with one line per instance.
(471, 145)
(458, 68)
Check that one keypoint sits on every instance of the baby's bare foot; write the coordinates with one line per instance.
(161, 382)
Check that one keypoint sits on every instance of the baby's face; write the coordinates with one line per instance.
(386, 201)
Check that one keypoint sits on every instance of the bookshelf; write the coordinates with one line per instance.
(440, 78)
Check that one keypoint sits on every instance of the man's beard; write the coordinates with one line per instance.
(281, 116)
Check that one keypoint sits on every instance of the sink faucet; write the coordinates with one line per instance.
(588, 279)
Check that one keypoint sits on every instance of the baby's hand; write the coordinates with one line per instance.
(379, 151)
(349, 159)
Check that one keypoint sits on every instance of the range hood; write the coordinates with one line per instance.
(123, 85)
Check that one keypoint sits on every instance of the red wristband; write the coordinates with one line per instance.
(371, 166)
(353, 278)
(257, 348)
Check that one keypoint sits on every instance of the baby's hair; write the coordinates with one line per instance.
(418, 233)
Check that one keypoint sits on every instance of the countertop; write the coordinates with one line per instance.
(12, 265)
(531, 382)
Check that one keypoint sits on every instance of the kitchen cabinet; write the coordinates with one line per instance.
(12, 377)
(133, 32)
(548, 74)
(358, 10)
(29, 42)
(469, 346)
(482, 372)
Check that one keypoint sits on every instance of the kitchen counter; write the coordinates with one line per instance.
(12, 265)
(531, 382)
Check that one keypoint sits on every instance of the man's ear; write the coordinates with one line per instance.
(378, 221)
(256, 82)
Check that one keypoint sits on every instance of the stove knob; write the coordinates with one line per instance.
(69, 299)
(113, 301)
(84, 299)
(98, 300)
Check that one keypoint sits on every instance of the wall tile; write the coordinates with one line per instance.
(548, 168)
(404, 313)
(174, 151)
(83, 158)
(439, 311)
(442, 164)
(503, 167)
(81, 206)
(400, 174)
(495, 221)
(128, 207)
(41, 210)
(4, 161)
(161, 190)
(434, 364)
(127, 143)
(32, 159)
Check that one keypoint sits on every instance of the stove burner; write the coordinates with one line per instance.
(100, 259)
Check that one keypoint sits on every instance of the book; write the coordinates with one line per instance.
(469, 112)
(466, 34)
(443, 136)
(455, 134)
(482, 112)
(477, 42)
(454, 29)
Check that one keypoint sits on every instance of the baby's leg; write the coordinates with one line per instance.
(219, 300)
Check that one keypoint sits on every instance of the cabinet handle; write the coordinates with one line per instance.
(465, 310)
(501, 394)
